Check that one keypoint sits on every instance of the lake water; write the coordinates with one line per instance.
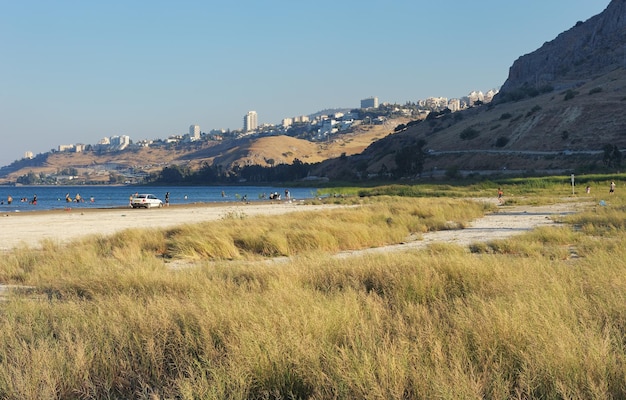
(53, 197)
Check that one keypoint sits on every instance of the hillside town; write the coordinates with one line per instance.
(317, 127)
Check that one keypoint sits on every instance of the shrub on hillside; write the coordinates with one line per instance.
(502, 141)
(570, 94)
(533, 110)
(524, 92)
(595, 90)
(469, 133)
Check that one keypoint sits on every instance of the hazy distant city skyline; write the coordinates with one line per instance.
(79, 71)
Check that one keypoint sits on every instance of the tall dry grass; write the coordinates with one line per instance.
(107, 319)
(369, 223)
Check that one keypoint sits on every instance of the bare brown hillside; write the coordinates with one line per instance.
(284, 150)
(559, 130)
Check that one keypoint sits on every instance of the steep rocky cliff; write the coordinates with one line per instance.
(591, 48)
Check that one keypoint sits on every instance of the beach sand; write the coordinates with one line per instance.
(62, 226)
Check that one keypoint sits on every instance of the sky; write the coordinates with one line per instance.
(74, 71)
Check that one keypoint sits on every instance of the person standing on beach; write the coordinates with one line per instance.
(500, 194)
(167, 199)
(612, 187)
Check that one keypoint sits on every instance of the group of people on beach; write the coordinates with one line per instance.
(611, 188)
(77, 198)
(276, 195)
(263, 196)
(22, 200)
(587, 190)
(33, 201)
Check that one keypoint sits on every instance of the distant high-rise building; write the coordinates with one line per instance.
(454, 105)
(120, 142)
(370, 102)
(476, 96)
(489, 95)
(194, 132)
(287, 122)
(250, 121)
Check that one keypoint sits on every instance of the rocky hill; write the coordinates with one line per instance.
(586, 51)
(561, 109)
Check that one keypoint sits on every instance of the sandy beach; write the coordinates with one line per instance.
(59, 226)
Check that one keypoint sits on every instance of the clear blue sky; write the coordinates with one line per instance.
(77, 71)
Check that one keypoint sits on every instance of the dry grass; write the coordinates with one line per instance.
(517, 319)
(370, 223)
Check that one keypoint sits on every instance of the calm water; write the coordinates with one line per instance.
(53, 197)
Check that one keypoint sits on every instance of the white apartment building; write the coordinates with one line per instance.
(370, 102)
(120, 142)
(475, 96)
(490, 95)
(250, 121)
(454, 105)
(434, 102)
(65, 147)
(287, 122)
(194, 132)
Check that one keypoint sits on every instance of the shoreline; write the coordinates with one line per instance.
(68, 210)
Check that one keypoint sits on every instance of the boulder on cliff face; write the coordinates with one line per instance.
(596, 46)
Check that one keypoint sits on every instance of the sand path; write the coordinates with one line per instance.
(506, 222)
